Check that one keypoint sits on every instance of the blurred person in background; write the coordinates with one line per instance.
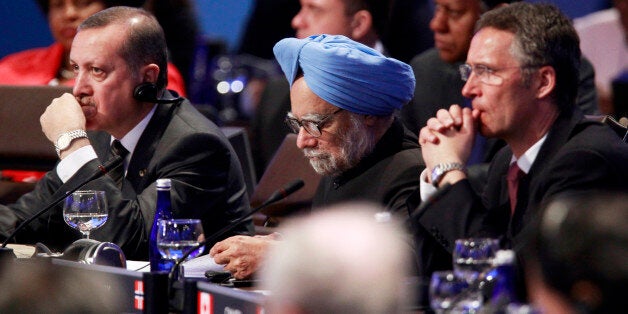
(178, 19)
(268, 23)
(604, 41)
(338, 260)
(51, 65)
(408, 33)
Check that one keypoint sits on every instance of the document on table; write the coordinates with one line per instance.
(22, 250)
(196, 267)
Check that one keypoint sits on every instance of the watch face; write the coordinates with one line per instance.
(63, 141)
(436, 173)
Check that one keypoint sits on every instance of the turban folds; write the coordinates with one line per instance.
(347, 74)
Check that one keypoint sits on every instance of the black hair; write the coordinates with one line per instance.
(582, 238)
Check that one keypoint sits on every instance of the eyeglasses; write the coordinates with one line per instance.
(310, 126)
(484, 73)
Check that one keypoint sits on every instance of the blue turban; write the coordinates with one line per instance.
(347, 74)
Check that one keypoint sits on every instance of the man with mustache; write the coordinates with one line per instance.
(343, 99)
(116, 53)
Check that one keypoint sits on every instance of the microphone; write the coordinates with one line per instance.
(102, 170)
(278, 195)
(427, 203)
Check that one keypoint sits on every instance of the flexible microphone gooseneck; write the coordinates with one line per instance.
(278, 195)
(416, 214)
(102, 170)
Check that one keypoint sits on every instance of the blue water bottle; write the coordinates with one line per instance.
(503, 277)
(163, 210)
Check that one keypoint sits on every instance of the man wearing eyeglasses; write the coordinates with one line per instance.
(436, 70)
(521, 76)
(343, 97)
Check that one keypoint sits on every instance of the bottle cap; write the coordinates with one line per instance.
(503, 257)
(164, 183)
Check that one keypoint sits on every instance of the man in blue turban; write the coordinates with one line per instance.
(343, 99)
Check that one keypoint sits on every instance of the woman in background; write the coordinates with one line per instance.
(51, 65)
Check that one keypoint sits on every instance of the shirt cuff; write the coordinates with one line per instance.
(426, 189)
(69, 165)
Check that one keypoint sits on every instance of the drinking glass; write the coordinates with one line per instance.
(175, 237)
(473, 257)
(85, 210)
(445, 289)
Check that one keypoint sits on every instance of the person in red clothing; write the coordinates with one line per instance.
(50, 65)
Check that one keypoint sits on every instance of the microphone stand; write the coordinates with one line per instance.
(103, 169)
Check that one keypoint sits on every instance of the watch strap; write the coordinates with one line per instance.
(74, 134)
(439, 171)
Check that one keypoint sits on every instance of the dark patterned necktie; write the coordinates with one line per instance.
(117, 173)
(513, 177)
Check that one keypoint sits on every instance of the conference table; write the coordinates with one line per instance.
(137, 290)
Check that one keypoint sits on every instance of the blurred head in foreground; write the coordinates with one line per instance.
(340, 260)
(577, 257)
(38, 286)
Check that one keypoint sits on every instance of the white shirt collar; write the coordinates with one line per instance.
(129, 141)
(379, 46)
(527, 159)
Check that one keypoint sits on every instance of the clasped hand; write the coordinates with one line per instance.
(449, 136)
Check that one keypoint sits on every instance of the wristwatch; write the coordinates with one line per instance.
(439, 171)
(65, 139)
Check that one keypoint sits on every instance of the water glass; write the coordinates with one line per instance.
(175, 237)
(445, 289)
(85, 210)
(473, 257)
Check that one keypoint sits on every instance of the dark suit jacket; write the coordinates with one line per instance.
(578, 156)
(178, 143)
(387, 176)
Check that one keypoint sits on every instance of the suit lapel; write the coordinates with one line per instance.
(531, 187)
(147, 145)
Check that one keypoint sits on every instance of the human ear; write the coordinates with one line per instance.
(150, 73)
(361, 24)
(546, 81)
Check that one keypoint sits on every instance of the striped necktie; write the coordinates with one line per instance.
(117, 173)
